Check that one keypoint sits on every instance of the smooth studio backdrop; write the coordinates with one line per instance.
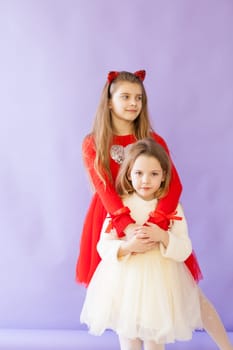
(54, 59)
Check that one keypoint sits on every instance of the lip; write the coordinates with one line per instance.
(131, 110)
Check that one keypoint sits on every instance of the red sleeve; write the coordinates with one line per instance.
(107, 193)
(169, 203)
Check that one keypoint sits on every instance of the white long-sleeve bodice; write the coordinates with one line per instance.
(179, 246)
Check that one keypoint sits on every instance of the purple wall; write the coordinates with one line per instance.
(54, 59)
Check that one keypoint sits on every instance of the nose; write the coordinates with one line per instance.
(133, 102)
(145, 179)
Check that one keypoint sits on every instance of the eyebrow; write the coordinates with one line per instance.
(128, 93)
(158, 170)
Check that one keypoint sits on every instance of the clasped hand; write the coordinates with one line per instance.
(141, 239)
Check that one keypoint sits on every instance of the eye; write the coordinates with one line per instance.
(124, 97)
(155, 174)
(138, 173)
(139, 98)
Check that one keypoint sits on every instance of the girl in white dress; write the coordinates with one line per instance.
(142, 289)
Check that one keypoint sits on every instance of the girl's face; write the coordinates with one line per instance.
(146, 176)
(125, 104)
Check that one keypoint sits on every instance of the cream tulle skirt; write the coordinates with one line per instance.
(143, 296)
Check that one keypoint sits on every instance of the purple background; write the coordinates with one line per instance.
(54, 59)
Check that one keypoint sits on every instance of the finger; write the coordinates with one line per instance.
(142, 237)
(151, 224)
(139, 228)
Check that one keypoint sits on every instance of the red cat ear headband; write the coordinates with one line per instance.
(140, 74)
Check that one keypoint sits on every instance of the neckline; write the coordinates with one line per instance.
(124, 136)
(144, 200)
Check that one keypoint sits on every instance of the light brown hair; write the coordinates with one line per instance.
(102, 130)
(150, 148)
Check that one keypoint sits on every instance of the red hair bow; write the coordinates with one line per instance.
(140, 74)
(112, 75)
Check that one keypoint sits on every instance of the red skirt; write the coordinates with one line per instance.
(89, 258)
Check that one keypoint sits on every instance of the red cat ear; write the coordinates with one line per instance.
(112, 75)
(140, 74)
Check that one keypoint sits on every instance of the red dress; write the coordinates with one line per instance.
(106, 199)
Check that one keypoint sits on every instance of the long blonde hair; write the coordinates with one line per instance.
(150, 148)
(102, 130)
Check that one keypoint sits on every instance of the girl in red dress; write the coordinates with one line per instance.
(121, 119)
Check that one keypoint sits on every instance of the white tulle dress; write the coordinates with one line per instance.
(151, 296)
